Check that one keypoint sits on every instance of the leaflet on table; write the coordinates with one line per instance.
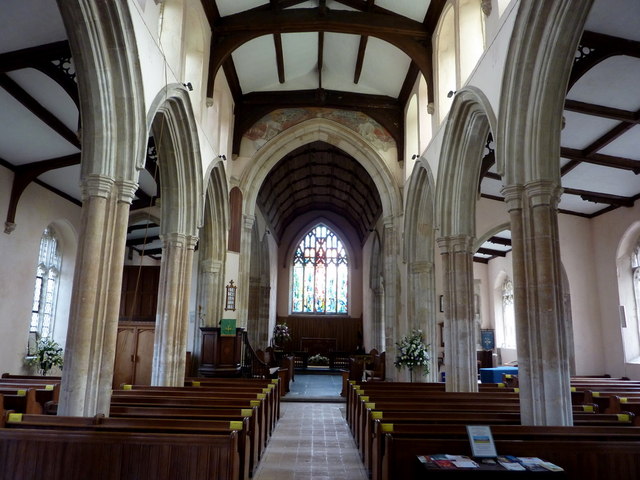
(537, 464)
(448, 461)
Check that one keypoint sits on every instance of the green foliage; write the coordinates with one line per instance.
(412, 352)
(48, 355)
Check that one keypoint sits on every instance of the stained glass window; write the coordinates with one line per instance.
(46, 286)
(320, 274)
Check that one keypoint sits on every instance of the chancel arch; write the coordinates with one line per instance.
(361, 151)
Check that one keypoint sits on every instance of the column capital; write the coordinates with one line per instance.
(248, 221)
(126, 190)
(421, 267)
(210, 266)
(456, 244)
(543, 192)
(181, 240)
(513, 196)
(95, 185)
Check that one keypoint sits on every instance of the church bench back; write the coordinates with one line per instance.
(99, 423)
(269, 394)
(201, 404)
(586, 453)
(267, 410)
(195, 414)
(57, 454)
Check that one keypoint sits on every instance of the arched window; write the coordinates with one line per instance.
(635, 276)
(508, 315)
(46, 288)
(320, 274)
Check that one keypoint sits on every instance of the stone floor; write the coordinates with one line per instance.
(311, 441)
(315, 388)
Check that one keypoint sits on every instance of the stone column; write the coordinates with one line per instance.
(377, 312)
(244, 273)
(95, 305)
(172, 317)
(422, 313)
(391, 317)
(543, 358)
(459, 327)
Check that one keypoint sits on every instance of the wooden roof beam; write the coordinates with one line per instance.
(277, 41)
(599, 159)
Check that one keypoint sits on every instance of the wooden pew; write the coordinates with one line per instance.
(45, 393)
(200, 404)
(124, 411)
(586, 453)
(57, 454)
(21, 400)
(378, 417)
(100, 423)
(268, 393)
(411, 420)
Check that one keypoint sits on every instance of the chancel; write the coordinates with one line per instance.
(205, 199)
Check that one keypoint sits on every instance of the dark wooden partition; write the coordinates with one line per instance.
(344, 329)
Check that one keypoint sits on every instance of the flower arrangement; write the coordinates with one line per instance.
(281, 333)
(48, 354)
(412, 352)
(318, 359)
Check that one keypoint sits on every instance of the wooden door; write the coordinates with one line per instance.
(134, 353)
(144, 356)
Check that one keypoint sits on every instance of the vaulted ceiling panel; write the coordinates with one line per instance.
(301, 60)
(408, 8)
(580, 130)
(41, 142)
(625, 145)
(573, 203)
(47, 93)
(29, 23)
(229, 7)
(380, 59)
(67, 180)
(255, 63)
(602, 86)
(615, 17)
(610, 180)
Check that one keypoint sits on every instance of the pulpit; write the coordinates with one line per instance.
(221, 355)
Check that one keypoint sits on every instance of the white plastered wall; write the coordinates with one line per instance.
(37, 209)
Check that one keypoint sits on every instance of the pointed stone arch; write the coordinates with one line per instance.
(419, 245)
(538, 66)
(212, 254)
(180, 166)
(468, 125)
(354, 145)
(105, 54)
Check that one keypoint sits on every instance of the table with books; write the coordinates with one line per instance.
(503, 467)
